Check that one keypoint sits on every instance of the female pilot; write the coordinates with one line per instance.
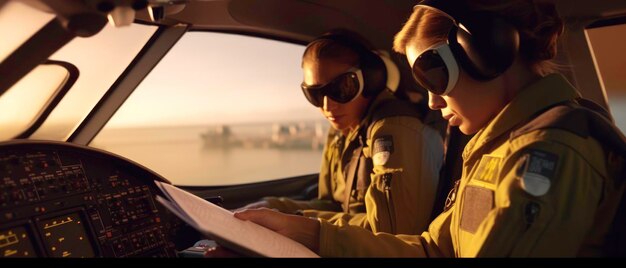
(381, 163)
(538, 178)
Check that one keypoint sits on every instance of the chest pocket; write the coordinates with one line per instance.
(357, 173)
(357, 169)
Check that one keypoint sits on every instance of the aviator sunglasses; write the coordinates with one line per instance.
(436, 70)
(343, 89)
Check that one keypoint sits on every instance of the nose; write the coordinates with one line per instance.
(329, 104)
(436, 102)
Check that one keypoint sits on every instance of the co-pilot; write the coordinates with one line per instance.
(381, 163)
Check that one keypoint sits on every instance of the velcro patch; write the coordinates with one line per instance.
(477, 203)
(540, 168)
(383, 144)
(382, 149)
(488, 168)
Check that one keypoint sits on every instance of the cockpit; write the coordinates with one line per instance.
(100, 98)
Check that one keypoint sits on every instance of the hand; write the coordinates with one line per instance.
(258, 204)
(304, 230)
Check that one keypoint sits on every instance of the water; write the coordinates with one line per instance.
(182, 156)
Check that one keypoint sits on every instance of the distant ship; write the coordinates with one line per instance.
(297, 136)
(220, 137)
(283, 136)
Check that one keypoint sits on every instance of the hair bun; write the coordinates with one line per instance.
(541, 30)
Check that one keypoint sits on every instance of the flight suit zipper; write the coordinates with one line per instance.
(390, 208)
(459, 207)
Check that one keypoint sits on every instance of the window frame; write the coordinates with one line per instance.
(608, 22)
(54, 99)
(171, 44)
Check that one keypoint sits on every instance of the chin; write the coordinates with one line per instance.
(336, 126)
(468, 130)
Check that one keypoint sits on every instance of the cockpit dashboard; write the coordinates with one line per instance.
(64, 200)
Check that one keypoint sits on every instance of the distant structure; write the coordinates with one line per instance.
(221, 137)
(284, 136)
(297, 136)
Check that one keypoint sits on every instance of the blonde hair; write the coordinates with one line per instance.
(425, 27)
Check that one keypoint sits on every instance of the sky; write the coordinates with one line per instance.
(207, 78)
(221, 78)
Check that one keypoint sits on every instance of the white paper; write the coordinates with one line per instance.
(227, 230)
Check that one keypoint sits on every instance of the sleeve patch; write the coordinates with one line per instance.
(542, 163)
(383, 148)
(539, 169)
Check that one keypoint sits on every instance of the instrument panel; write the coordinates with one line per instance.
(64, 200)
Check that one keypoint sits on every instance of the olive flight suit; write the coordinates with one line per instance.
(391, 165)
(525, 191)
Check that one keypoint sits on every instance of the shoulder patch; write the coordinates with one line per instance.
(537, 171)
(382, 149)
(488, 168)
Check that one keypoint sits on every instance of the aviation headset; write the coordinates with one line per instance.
(373, 66)
(482, 42)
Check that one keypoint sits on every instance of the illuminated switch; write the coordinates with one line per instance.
(9, 215)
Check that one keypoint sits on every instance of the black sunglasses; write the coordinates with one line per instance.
(343, 89)
(436, 70)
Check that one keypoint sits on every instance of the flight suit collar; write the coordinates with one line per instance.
(380, 98)
(545, 92)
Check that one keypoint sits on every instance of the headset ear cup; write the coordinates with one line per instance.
(461, 45)
(489, 50)
(393, 73)
(374, 74)
(504, 38)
